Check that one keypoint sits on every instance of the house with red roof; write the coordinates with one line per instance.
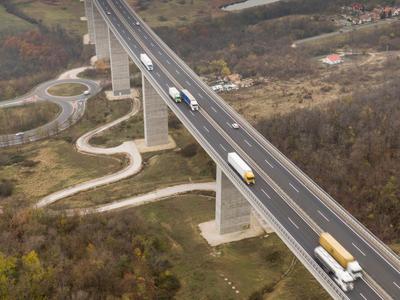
(333, 59)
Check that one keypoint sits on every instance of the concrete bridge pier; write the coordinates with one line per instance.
(119, 63)
(155, 113)
(100, 35)
(232, 210)
(89, 17)
(235, 219)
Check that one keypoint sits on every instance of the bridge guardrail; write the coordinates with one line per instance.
(42, 132)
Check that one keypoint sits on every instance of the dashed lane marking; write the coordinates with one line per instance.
(293, 187)
(294, 224)
(355, 246)
(322, 215)
(265, 193)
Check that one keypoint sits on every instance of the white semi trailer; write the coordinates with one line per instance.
(332, 267)
(146, 61)
(241, 167)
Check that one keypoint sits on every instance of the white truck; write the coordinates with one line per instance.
(189, 100)
(146, 61)
(241, 168)
(340, 254)
(332, 267)
(174, 94)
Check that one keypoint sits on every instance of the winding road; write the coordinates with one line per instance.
(72, 108)
(129, 149)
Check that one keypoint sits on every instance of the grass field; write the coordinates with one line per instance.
(11, 24)
(250, 265)
(67, 89)
(64, 13)
(43, 167)
(22, 118)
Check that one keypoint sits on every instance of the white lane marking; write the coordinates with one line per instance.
(294, 224)
(265, 193)
(227, 123)
(293, 187)
(363, 296)
(158, 74)
(134, 46)
(248, 143)
(168, 62)
(152, 44)
(200, 95)
(271, 165)
(118, 25)
(191, 112)
(177, 72)
(145, 36)
(206, 129)
(212, 107)
(396, 285)
(222, 147)
(323, 216)
(355, 246)
(129, 38)
(188, 83)
(159, 52)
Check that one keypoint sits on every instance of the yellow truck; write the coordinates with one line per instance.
(340, 254)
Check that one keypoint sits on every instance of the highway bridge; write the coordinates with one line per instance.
(294, 206)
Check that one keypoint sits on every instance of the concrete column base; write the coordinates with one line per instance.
(143, 148)
(210, 232)
(155, 113)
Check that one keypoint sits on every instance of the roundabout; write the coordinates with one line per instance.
(72, 108)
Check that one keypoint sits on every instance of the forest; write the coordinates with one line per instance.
(351, 149)
(100, 257)
(34, 56)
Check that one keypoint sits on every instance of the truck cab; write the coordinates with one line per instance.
(249, 178)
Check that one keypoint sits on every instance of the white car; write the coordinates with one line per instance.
(137, 23)
(86, 93)
(235, 125)
(108, 13)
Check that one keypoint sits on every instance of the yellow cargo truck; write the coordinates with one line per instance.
(340, 254)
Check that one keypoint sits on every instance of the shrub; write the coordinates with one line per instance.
(6, 188)
(190, 150)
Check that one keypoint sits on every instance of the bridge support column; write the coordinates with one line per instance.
(100, 35)
(90, 21)
(155, 116)
(119, 63)
(232, 210)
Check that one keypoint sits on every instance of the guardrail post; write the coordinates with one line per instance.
(101, 35)
(119, 64)
(155, 113)
(90, 21)
(232, 210)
